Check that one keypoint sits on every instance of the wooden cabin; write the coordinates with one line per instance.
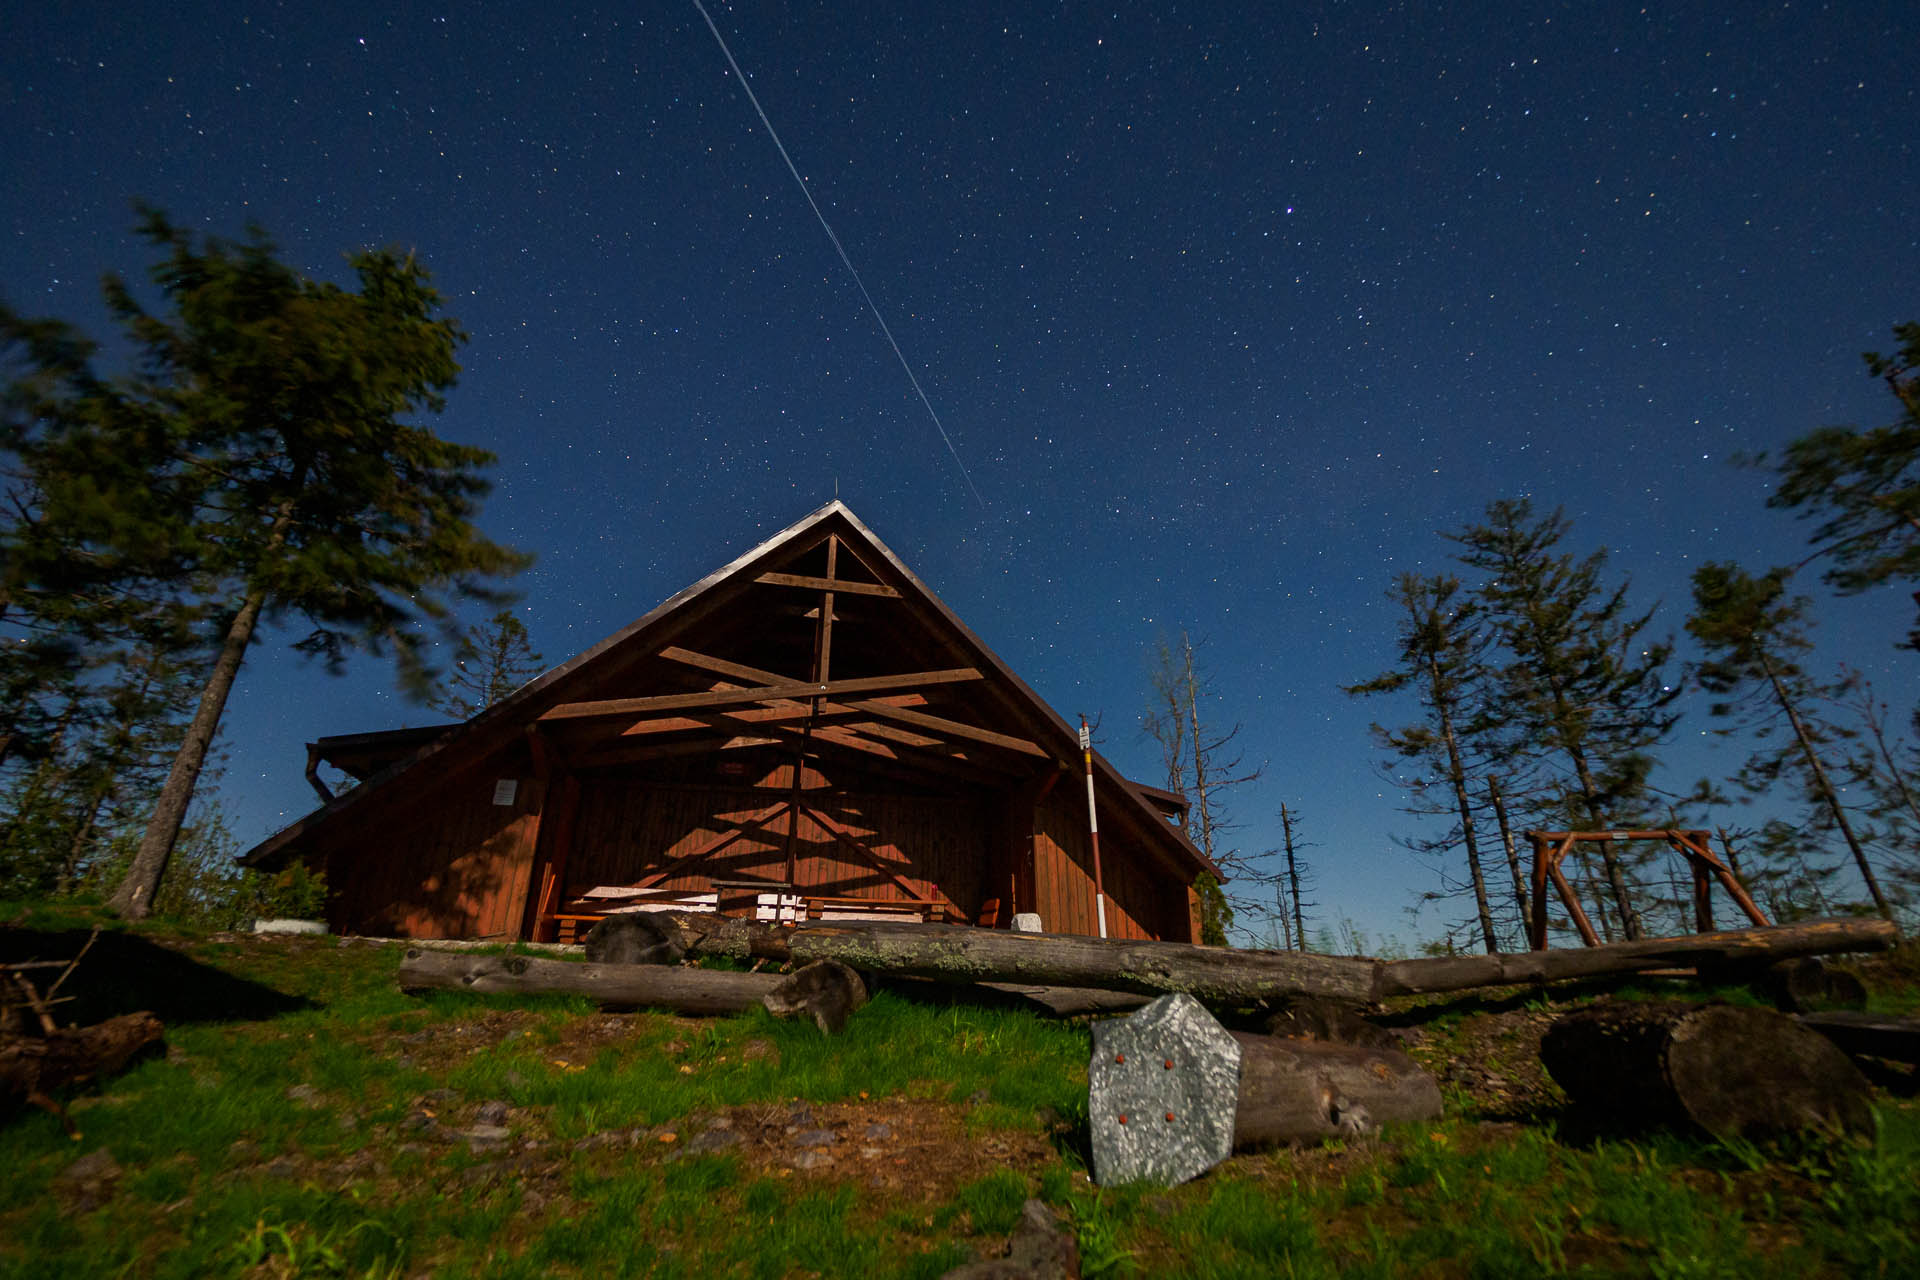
(806, 733)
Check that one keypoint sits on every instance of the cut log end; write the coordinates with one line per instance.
(1721, 1069)
(826, 991)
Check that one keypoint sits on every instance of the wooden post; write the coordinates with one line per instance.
(551, 864)
(1537, 935)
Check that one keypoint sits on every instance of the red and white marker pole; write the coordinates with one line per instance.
(1093, 828)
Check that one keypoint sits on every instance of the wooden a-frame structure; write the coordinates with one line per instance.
(1550, 847)
(806, 732)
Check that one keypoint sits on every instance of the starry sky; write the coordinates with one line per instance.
(1228, 311)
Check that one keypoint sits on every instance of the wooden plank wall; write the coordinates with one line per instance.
(1143, 901)
(452, 864)
(628, 829)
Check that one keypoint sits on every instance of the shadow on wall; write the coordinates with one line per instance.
(125, 973)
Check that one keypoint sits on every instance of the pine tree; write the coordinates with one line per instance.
(1751, 629)
(1863, 487)
(1581, 678)
(262, 455)
(489, 662)
(1441, 645)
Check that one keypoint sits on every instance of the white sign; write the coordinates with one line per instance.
(504, 790)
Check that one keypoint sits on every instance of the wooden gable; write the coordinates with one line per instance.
(810, 719)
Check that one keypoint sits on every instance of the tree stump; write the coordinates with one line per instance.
(826, 991)
(1720, 1069)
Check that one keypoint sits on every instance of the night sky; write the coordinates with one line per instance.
(1227, 310)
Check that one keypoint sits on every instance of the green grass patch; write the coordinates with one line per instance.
(313, 1129)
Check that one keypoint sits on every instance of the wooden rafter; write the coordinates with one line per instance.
(780, 712)
(763, 693)
(954, 728)
(827, 584)
(888, 708)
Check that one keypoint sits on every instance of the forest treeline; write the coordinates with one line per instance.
(1537, 696)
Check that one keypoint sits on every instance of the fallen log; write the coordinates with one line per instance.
(1869, 1034)
(34, 1068)
(1808, 984)
(1304, 1091)
(1723, 1069)
(957, 953)
(828, 993)
(1729, 950)
(1170, 1093)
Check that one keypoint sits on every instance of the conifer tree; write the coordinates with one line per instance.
(1441, 645)
(1751, 629)
(264, 457)
(1862, 487)
(490, 661)
(1581, 678)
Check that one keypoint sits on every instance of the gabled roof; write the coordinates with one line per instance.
(917, 660)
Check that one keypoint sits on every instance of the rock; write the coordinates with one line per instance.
(1162, 1089)
(494, 1112)
(814, 1138)
(715, 1139)
(304, 1094)
(88, 1182)
(1039, 1249)
(809, 1159)
(876, 1132)
(486, 1137)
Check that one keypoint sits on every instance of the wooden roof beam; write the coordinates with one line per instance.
(953, 728)
(763, 693)
(827, 584)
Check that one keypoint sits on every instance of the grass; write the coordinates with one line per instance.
(315, 1129)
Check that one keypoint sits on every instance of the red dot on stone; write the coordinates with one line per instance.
(1123, 1119)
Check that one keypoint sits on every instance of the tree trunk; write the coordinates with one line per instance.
(1749, 949)
(1616, 878)
(1729, 1071)
(827, 992)
(1306, 1091)
(1824, 787)
(1457, 775)
(134, 898)
(82, 833)
(1513, 856)
(1293, 879)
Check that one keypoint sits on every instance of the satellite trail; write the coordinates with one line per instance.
(841, 250)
